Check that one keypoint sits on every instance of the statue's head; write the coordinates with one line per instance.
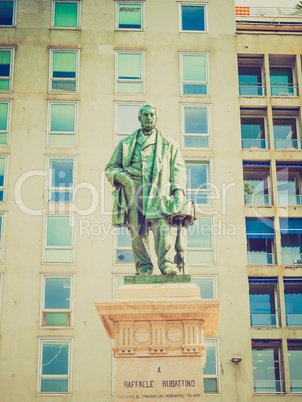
(147, 115)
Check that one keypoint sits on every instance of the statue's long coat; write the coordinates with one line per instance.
(168, 174)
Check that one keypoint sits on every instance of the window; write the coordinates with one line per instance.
(250, 75)
(66, 14)
(129, 72)
(210, 371)
(57, 301)
(200, 242)
(293, 302)
(129, 15)
(250, 81)
(6, 69)
(62, 124)
(60, 180)
(117, 281)
(2, 178)
(126, 121)
(4, 122)
(257, 186)
(260, 241)
(64, 71)
(264, 310)
(194, 75)
(123, 246)
(295, 365)
(198, 182)
(59, 239)
(253, 133)
(282, 83)
(207, 286)
(195, 126)
(192, 17)
(289, 183)
(55, 366)
(291, 240)
(7, 12)
(267, 370)
(286, 134)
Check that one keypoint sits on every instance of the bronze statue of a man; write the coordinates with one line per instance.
(145, 168)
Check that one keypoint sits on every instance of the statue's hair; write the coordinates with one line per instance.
(149, 105)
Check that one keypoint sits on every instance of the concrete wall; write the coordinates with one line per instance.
(94, 254)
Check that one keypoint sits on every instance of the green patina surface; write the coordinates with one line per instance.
(157, 279)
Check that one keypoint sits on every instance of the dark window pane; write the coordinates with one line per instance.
(6, 12)
(54, 385)
(57, 293)
(193, 18)
(55, 358)
(250, 81)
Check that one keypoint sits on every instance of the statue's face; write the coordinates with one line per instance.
(148, 119)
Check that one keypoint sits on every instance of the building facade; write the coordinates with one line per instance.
(73, 75)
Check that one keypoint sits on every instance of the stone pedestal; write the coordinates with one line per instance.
(158, 331)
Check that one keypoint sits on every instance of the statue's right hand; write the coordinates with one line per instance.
(123, 178)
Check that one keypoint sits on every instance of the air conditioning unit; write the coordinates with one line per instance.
(298, 262)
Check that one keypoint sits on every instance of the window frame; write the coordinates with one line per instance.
(52, 51)
(72, 247)
(207, 249)
(294, 84)
(293, 344)
(116, 119)
(11, 70)
(49, 176)
(217, 375)
(298, 133)
(260, 85)
(208, 190)
(266, 132)
(4, 187)
(44, 311)
(14, 16)
(270, 243)
(141, 3)
(196, 4)
(286, 253)
(276, 301)
(117, 249)
(265, 171)
(53, 14)
(270, 344)
(288, 315)
(70, 133)
(182, 81)
(288, 171)
(40, 376)
(214, 284)
(129, 81)
(183, 122)
(8, 121)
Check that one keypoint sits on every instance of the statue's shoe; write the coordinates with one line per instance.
(169, 271)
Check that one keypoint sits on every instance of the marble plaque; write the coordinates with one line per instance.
(163, 378)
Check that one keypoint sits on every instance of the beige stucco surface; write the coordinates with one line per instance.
(94, 267)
